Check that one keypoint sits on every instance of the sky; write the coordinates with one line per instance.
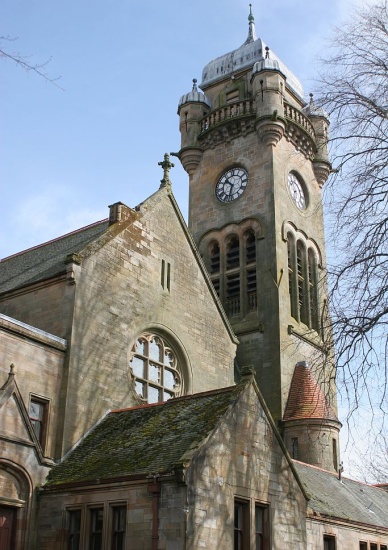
(95, 136)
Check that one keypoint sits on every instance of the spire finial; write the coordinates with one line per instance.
(195, 89)
(251, 32)
(250, 16)
(166, 165)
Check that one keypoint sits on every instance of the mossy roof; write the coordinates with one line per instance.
(46, 260)
(145, 440)
(344, 498)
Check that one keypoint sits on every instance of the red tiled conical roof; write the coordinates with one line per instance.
(306, 398)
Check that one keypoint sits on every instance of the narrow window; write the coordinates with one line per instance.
(250, 247)
(162, 273)
(214, 265)
(165, 274)
(291, 275)
(373, 546)
(214, 253)
(233, 254)
(118, 527)
(335, 457)
(241, 525)
(74, 529)
(363, 545)
(96, 524)
(38, 415)
(252, 289)
(261, 527)
(329, 542)
(294, 448)
(251, 281)
(383, 547)
(300, 264)
(313, 295)
(168, 276)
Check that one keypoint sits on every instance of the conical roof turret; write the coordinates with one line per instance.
(306, 399)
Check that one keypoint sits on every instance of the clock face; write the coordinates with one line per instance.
(296, 191)
(231, 184)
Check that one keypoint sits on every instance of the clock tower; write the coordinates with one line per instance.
(257, 159)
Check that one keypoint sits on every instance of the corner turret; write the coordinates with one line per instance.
(192, 108)
(311, 427)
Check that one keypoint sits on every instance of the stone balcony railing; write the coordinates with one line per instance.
(239, 116)
(228, 112)
(294, 115)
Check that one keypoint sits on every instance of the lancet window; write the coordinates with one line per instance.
(303, 280)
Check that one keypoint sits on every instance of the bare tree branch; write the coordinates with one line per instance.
(354, 90)
(25, 62)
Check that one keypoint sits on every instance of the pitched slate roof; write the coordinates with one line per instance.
(343, 499)
(145, 440)
(46, 260)
(306, 398)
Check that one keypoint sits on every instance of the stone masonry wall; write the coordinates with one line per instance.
(243, 459)
(119, 295)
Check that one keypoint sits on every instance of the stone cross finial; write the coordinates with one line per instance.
(166, 165)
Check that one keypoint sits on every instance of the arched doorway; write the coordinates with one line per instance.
(14, 499)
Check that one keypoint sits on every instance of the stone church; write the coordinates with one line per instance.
(165, 387)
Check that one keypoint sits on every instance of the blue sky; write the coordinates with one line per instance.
(67, 153)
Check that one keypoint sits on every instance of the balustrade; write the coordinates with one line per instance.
(227, 112)
(294, 115)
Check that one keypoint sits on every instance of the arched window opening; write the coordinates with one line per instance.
(300, 264)
(155, 369)
(233, 253)
(231, 258)
(232, 279)
(251, 278)
(313, 290)
(291, 274)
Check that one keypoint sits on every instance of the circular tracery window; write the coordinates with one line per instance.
(155, 369)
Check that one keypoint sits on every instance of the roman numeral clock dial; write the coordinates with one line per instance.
(231, 184)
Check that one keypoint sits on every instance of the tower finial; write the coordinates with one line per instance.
(166, 165)
(195, 89)
(251, 32)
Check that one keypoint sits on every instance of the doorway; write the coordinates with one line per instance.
(7, 527)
